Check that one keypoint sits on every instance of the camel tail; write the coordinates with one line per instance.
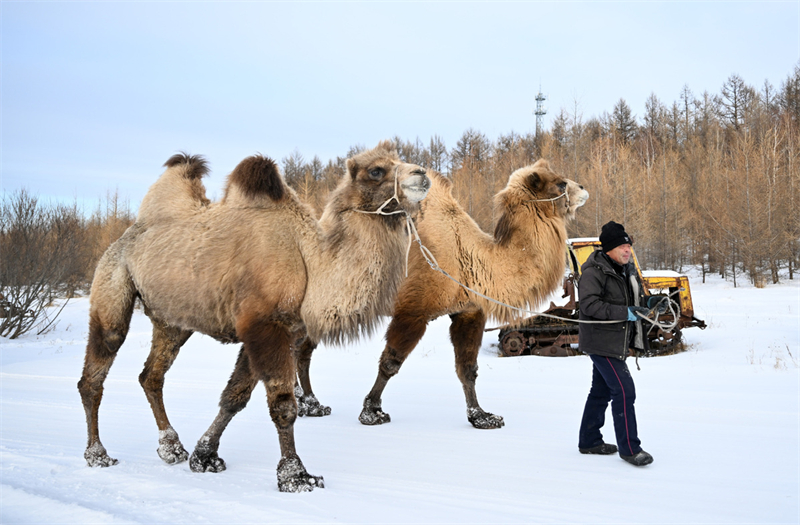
(258, 176)
(195, 167)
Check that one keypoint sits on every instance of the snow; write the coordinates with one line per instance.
(660, 273)
(575, 240)
(721, 420)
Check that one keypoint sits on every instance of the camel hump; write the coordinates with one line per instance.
(178, 193)
(258, 176)
(195, 166)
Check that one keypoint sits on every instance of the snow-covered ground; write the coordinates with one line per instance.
(720, 419)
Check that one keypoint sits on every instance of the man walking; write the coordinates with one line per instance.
(610, 290)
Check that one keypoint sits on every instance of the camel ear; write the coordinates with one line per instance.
(534, 182)
(352, 168)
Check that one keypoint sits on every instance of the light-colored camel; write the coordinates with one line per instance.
(255, 268)
(520, 266)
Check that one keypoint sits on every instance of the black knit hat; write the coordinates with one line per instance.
(613, 235)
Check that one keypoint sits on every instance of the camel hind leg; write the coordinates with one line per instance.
(234, 398)
(466, 333)
(113, 297)
(307, 402)
(167, 342)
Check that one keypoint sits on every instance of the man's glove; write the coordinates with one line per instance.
(657, 303)
(633, 310)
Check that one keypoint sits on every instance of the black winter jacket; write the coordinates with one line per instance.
(605, 295)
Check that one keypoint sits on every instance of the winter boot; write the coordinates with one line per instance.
(639, 459)
(604, 449)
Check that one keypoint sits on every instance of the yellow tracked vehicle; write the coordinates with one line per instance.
(540, 335)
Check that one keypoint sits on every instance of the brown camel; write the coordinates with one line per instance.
(254, 268)
(520, 266)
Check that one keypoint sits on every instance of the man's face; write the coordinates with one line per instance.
(621, 254)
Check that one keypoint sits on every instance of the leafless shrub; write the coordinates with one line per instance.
(40, 259)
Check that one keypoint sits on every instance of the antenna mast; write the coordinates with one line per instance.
(540, 111)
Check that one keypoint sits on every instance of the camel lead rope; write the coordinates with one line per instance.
(431, 260)
(433, 263)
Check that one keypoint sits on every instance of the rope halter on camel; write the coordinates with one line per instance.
(409, 223)
(553, 200)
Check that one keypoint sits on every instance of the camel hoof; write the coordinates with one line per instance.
(484, 420)
(206, 460)
(292, 476)
(311, 407)
(172, 453)
(170, 449)
(96, 456)
(373, 415)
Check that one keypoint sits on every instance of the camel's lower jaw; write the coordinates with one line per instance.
(576, 203)
(416, 187)
(581, 200)
(415, 195)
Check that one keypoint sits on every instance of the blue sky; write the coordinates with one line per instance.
(97, 95)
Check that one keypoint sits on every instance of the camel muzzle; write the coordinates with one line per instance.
(581, 199)
(416, 186)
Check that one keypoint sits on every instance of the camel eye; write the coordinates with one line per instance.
(376, 173)
(562, 185)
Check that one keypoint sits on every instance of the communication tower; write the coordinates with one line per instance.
(540, 111)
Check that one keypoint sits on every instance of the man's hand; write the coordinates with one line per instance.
(633, 310)
(658, 303)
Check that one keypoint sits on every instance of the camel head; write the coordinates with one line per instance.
(378, 178)
(549, 190)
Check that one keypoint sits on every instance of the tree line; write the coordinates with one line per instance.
(710, 180)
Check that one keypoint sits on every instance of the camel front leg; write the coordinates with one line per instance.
(466, 334)
(268, 346)
(307, 402)
(292, 475)
(266, 355)
(402, 336)
(167, 342)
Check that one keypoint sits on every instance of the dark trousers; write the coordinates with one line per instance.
(611, 381)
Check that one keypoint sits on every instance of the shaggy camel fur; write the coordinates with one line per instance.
(520, 266)
(254, 268)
